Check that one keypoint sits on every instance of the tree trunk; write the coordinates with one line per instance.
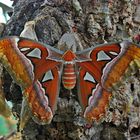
(90, 22)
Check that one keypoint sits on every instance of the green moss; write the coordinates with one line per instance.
(6, 128)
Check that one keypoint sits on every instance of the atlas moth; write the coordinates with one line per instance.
(39, 69)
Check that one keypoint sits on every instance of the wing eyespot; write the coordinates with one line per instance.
(24, 49)
(35, 53)
(47, 76)
(113, 53)
(102, 56)
(89, 77)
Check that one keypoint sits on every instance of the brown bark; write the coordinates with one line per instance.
(92, 22)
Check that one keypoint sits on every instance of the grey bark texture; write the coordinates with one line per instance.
(81, 24)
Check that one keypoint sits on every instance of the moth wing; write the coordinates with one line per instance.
(28, 62)
(93, 94)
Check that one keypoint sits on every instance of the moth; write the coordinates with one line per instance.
(39, 69)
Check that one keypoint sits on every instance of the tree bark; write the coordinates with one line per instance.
(91, 22)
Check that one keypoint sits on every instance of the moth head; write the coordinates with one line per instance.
(68, 56)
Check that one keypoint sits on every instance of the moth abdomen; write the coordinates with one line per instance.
(69, 76)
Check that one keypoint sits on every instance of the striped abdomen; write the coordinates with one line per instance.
(69, 76)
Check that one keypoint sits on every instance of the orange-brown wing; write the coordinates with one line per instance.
(30, 64)
(105, 66)
(42, 96)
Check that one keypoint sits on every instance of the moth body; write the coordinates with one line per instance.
(69, 76)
